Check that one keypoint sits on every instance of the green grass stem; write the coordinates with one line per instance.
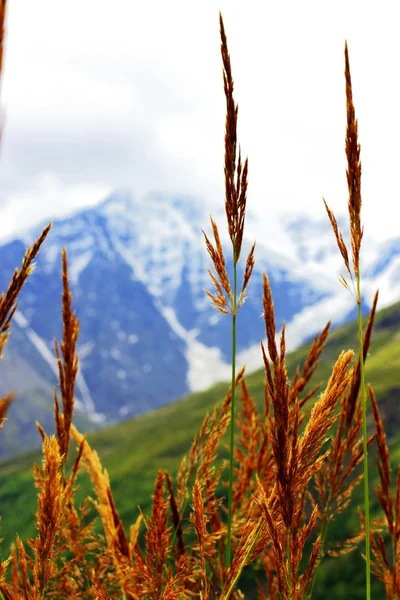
(324, 533)
(365, 446)
(239, 571)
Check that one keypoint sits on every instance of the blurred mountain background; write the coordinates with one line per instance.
(148, 334)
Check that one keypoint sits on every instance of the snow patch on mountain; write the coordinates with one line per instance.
(206, 365)
(79, 263)
(86, 404)
(155, 236)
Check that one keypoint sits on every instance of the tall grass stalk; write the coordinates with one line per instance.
(365, 445)
(356, 233)
(226, 300)
(233, 412)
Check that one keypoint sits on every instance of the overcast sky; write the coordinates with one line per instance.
(100, 95)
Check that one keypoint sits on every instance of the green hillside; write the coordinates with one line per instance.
(134, 450)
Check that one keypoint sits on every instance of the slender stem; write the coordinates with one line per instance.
(365, 446)
(240, 569)
(324, 532)
(233, 407)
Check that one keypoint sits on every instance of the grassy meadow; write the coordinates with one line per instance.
(281, 485)
(133, 451)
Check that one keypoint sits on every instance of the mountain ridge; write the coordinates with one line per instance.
(138, 270)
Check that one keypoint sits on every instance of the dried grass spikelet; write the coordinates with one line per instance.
(247, 449)
(383, 490)
(235, 201)
(101, 484)
(7, 595)
(254, 538)
(203, 450)
(5, 403)
(296, 458)
(8, 300)
(174, 589)
(15, 574)
(337, 478)
(120, 549)
(3, 570)
(353, 174)
(269, 319)
(218, 426)
(307, 576)
(334, 482)
(300, 584)
(209, 476)
(235, 173)
(387, 571)
(120, 541)
(24, 562)
(381, 565)
(187, 466)
(222, 283)
(134, 534)
(322, 418)
(278, 389)
(99, 595)
(283, 565)
(68, 489)
(341, 245)
(151, 569)
(274, 527)
(213, 541)
(68, 365)
(180, 548)
(250, 262)
(310, 365)
(48, 480)
(223, 299)
(356, 380)
(353, 170)
(200, 526)
(78, 536)
(206, 471)
(202, 461)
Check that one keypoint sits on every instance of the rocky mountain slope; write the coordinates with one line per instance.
(148, 334)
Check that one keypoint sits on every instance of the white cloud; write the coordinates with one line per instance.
(98, 98)
(48, 197)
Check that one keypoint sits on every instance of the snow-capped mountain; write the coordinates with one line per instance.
(138, 270)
